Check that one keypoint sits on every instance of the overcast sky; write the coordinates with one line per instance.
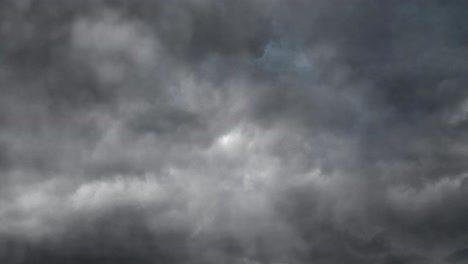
(233, 131)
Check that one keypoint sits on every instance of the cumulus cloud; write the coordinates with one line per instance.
(242, 132)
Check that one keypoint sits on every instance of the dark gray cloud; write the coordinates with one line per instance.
(243, 132)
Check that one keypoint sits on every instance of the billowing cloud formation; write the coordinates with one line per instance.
(243, 132)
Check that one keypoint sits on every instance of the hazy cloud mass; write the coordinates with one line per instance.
(233, 131)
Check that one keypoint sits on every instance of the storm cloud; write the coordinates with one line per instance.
(243, 132)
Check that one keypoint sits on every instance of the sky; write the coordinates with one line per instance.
(233, 132)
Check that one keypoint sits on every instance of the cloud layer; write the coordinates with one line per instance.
(243, 132)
